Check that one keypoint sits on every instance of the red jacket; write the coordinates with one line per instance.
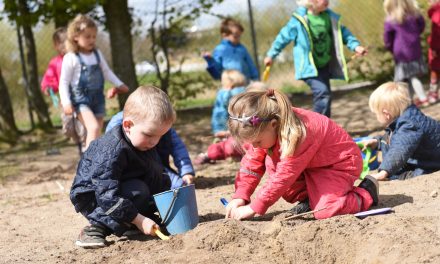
(434, 37)
(326, 148)
(51, 77)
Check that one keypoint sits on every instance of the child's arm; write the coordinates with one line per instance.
(254, 74)
(67, 71)
(349, 39)
(181, 157)
(50, 78)
(288, 171)
(214, 61)
(110, 76)
(114, 121)
(401, 148)
(252, 169)
(388, 36)
(286, 35)
(145, 224)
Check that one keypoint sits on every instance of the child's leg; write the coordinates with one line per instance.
(225, 149)
(433, 87)
(334, 191)
(92, 124)
(418, 89)
(320, 86)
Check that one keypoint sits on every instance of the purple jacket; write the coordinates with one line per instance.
(403, 40)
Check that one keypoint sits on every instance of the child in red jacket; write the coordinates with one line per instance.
(308, 158)
(434, 49)
(51, 77)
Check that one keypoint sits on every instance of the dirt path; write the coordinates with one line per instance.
(39, 224)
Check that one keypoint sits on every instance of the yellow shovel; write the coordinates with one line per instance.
(266, 73)
(161, 235)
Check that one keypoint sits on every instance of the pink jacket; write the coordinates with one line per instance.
(51, 77)
(326, 148)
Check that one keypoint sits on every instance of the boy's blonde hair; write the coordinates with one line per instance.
(398, 10)
(233, 77)
(75, 28)
(391, 96)
(257, 86)
(149, 103)
(265, 105)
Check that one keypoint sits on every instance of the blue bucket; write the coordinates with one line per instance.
(373, 162)
(178, 209)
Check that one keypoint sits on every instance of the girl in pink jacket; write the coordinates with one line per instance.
(307, 156)
(51, 77)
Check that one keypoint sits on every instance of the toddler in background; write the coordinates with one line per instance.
(230, 54)
(51, 77)
(318, 55)
(434, 50)
(411, 143)
(402, 29)
(233, 83)
(83, 73)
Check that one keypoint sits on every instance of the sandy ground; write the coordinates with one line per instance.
(39, 225)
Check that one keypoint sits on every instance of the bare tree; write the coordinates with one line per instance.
(118, 22)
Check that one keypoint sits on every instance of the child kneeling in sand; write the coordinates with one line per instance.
(411, 143)
(119, 172)
(307, 157)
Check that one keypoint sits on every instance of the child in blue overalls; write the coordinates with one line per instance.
(83, 72)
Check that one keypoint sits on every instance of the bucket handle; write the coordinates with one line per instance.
(175, 193)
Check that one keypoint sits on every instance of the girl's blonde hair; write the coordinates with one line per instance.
(75, 28)
(265, 105)
(399, 10)
(233, 77)
(149, 104)
(391, 96)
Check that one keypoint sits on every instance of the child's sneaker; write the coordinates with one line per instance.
(370, 184)
(433, 97)
(421, 103)
(301, 207)
(92, 237)
(202, 158)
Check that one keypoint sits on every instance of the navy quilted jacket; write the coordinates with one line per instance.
(108, 161)
(414, 139)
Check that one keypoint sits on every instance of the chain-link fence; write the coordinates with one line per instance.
(363, 18)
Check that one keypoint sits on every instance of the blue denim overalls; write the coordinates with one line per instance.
(89, 92)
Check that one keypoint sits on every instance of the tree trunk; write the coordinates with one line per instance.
(118, 23)
(8, 129)
(35, 96)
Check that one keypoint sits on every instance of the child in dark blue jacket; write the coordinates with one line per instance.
(119, 172)
(411, 144)
(230, 54)
(169, 144)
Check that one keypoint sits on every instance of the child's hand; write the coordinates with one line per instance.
(360, 51)
(371, 143)
(206, 55)
(68, 109)
(222, 134)
(243, 212)
(268, 61)
(46, 90)
(117, 90)
(145, 224)
(232, 205)
(381, 176)
(188, 179)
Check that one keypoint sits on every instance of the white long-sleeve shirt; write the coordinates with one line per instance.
(71, 71)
